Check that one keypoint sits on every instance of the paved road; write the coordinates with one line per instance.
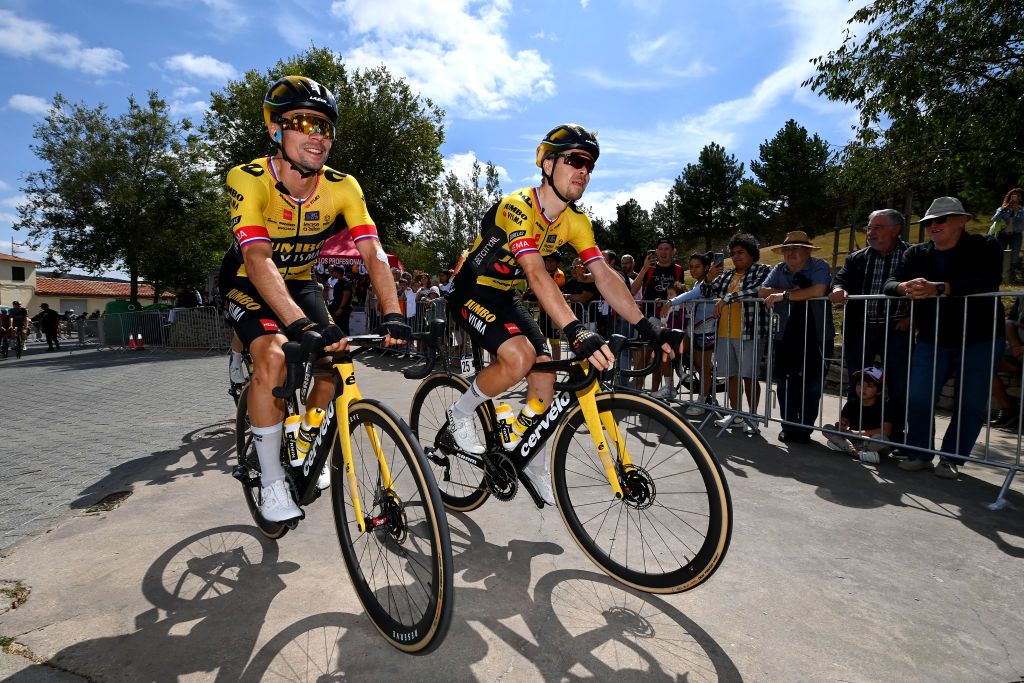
(837, 570)
(77, 423)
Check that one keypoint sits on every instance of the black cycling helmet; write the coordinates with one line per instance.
(298, 92)
(568, 136)
(15, 303)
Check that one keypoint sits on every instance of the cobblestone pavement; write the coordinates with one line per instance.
(77, 424)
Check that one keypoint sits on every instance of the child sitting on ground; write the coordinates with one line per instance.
(861, 419)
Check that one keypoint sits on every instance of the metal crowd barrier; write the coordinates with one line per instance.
(202, 328)
(824, 372)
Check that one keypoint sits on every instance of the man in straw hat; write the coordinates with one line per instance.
(954, 334)
(805, 335)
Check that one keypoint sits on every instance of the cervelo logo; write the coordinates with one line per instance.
(315, 448)
(557, 406)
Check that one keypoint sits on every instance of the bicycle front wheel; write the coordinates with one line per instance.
(401, 566)
(671, 529)
(461, 483)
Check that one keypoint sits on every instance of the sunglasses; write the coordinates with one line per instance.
(308, 124)
(941, 220)
(578, 161)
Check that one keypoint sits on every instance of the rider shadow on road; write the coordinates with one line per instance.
(210, 594)
(205, 450)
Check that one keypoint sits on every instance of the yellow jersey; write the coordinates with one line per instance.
(262, 211)
(517, 225)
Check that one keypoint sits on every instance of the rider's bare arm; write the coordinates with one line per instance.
(380, 278)
(547, 292)
(615, 292)
(260, 269)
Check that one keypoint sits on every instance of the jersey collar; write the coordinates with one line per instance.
(273, 172)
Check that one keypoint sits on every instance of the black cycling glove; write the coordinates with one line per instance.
(330, 334)
(394, 324)
(582, 341)
(655, 332)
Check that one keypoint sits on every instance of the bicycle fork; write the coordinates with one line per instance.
(350, 393)
(599, 424)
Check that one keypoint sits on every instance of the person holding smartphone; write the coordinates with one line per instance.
(652, 282)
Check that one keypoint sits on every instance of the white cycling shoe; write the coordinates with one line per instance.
(537, 472)
(324, 481)
(278, 505)
(464, 433)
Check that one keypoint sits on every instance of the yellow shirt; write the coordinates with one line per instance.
(730, 325)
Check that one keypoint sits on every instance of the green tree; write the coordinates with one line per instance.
(708, 193)
(126, 192)
(631, 232)
(667, 218)
(793, 169)
(387, 137)
(449, 226)
(939, 87)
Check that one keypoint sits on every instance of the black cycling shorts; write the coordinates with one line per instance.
(492, 317)
(252, 317)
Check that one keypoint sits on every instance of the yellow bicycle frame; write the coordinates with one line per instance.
(350, 392)
(595, 421)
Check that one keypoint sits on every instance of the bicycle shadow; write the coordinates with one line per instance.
(842, 481)
(210, 594)
(573, 624)
(204, 450)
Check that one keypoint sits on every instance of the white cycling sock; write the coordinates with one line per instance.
(268, 450)
(236, 359)
(468, 402)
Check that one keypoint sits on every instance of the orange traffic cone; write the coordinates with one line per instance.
(138, 344)
(131, 341)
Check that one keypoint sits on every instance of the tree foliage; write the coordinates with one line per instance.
(631, 232)
(387, 137)
(793, 168)
(939, 87)
(707, 193)
(126, 192)
(448, 227)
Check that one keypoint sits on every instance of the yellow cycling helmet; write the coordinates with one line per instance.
(568, 136)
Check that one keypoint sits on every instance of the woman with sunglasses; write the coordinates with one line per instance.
(515, 235)
(283, 208)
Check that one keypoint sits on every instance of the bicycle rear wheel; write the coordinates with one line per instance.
(671, 529)
(247, 469)
(401, 566)
(461, 483)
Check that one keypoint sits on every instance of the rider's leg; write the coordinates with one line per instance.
(266, 413)
(514, 359)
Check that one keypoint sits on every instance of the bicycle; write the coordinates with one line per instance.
(13, 339)
(389, 518)
(622, 463)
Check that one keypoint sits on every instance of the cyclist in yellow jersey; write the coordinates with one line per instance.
(283, 209)
(514, 236)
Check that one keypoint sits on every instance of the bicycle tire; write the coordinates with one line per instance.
(245, 451)
(463, 490)
(410, 544)
(19, 345)
(687, 540)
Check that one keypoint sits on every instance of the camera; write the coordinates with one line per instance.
(719, 258)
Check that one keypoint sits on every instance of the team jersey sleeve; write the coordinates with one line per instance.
(353, 207)
(513, 216)
(247, 197)
(583, 241)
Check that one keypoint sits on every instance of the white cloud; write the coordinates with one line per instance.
(604, 203)
(13, 202)
(184, 91)
(29, 104)
(599, 78)
(4, 187)
(455, 53)
(462, 166)
(201, 66)
(642, 50)
(29, 39)
(183, 109)
(21, 251)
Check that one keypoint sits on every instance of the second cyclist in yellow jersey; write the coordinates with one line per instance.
(514, 236)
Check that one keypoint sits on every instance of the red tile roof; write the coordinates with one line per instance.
(16, 259)
(52, 286)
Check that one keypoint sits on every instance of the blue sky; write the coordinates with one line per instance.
(658, 79)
